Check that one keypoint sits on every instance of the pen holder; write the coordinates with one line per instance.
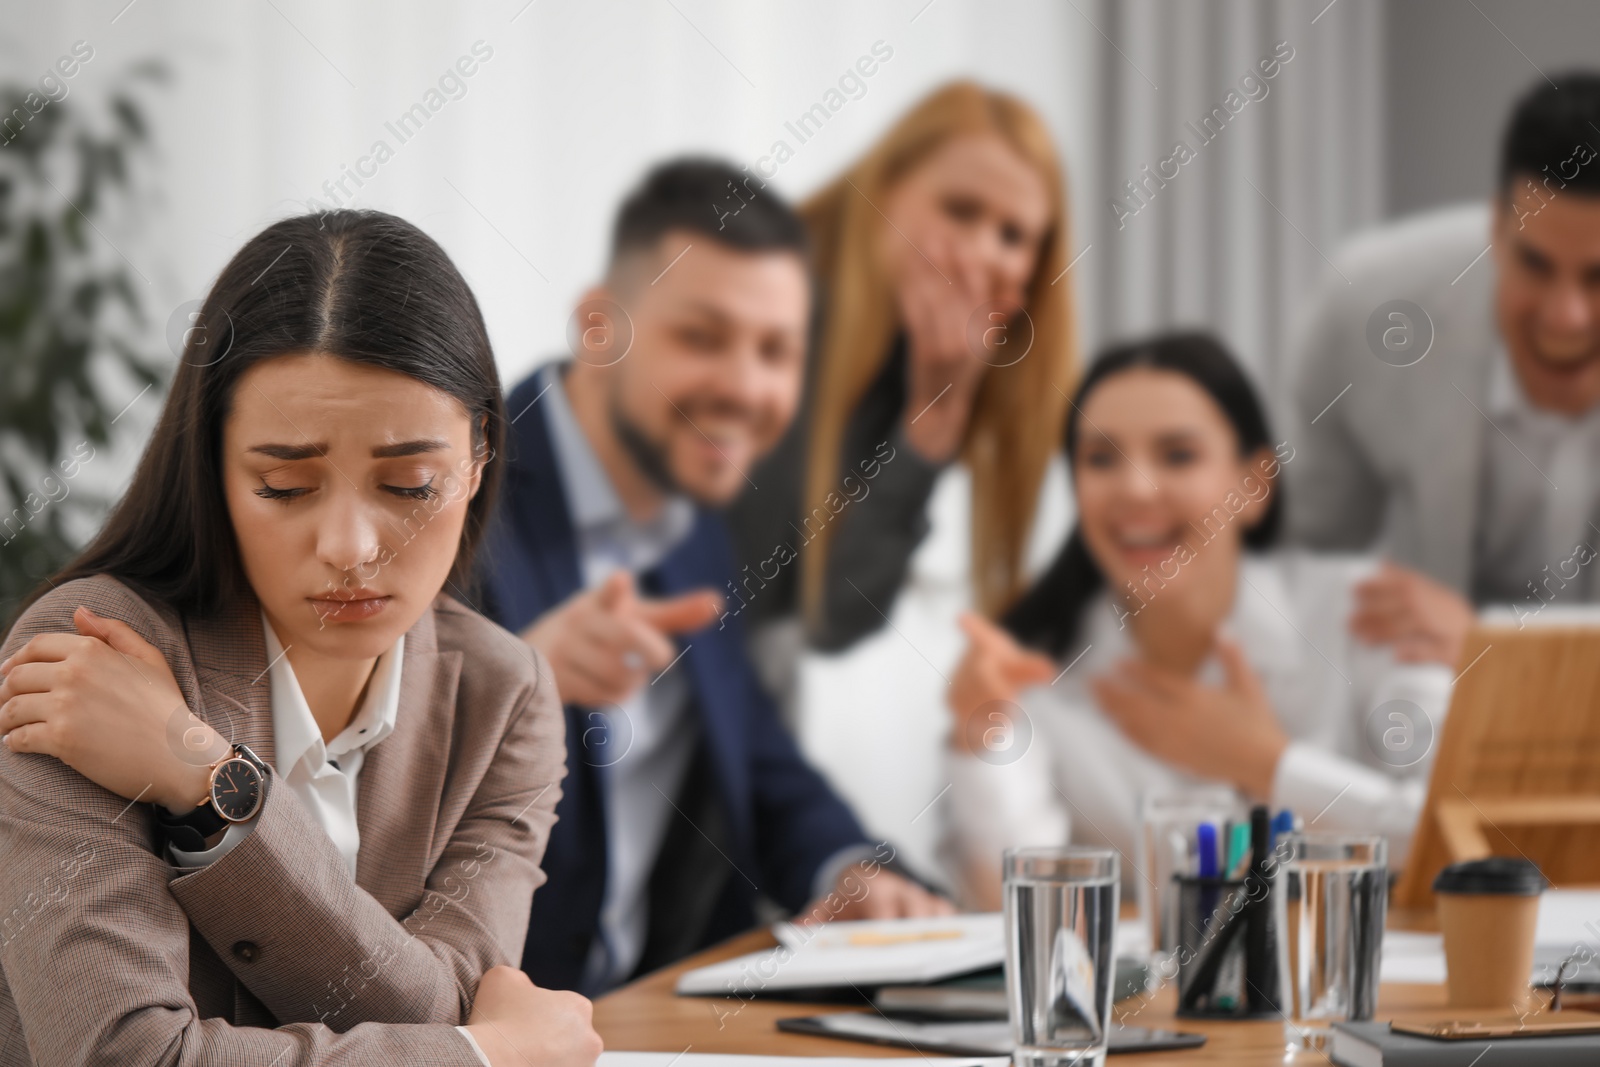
(1227, 948)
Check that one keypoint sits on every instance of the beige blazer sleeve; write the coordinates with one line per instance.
(101, 966)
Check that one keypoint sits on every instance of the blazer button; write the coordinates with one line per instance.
(246, 950)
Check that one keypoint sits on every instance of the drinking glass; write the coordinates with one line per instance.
(1060, 914)
(1167, 822)
(1329, 895)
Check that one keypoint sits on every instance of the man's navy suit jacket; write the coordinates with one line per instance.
(779, 820)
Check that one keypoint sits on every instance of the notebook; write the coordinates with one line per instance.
(1375, 1045)
(864, 955)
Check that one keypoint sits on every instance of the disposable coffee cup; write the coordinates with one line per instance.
(1487, 911)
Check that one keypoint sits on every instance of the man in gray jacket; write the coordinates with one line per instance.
(1447, 393)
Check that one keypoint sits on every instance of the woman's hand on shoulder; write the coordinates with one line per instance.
(104, 701)
(990, 675)
(1227, 732)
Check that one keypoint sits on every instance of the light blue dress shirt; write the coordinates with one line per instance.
(653, 734)
(653, 730)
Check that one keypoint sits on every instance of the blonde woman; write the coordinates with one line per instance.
(945, 335)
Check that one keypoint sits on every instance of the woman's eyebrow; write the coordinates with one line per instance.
(1178, 437)
(292, 453)
(411, 448)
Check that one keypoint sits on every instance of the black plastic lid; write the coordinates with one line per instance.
(1497, 874)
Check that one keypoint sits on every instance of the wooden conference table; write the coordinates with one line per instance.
(647, 1015)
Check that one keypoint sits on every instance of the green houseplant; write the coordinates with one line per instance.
(70, 306)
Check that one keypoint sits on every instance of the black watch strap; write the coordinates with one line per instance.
(188, 832)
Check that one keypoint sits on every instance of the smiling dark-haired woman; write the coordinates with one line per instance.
(1172, 645)
(268, 793)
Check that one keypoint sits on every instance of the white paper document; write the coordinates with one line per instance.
(715, 1059)
(1412, 958)
(1568, 918)
(866, 953)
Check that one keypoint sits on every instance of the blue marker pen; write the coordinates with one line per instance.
(1282, 823)
(1206, 844)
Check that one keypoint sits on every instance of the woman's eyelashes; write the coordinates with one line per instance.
(414, 492)
(1100, 458)
(1013, 236)
(1179, 456)
(271, 492)
(425, 491)
(970, 210)
(1169, 457)
(963, 208)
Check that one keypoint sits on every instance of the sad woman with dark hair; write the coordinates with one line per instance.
(268, 792)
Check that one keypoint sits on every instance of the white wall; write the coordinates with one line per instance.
(1454, 70)
(517, 178)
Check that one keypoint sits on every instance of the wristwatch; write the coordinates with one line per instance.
(238, 789)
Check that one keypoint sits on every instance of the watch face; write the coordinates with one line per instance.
(236, 790)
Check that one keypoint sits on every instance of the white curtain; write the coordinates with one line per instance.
(518, 170)
(1237, 234)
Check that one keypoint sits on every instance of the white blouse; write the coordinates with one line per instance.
(1080, 779)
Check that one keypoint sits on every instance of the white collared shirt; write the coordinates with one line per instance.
(1538, 496)
(323, 774)
(1080, 778)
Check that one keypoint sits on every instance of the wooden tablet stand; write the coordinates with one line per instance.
(1518, 766)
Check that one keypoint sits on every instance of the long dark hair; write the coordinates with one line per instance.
(1048, 615)
(361, 285)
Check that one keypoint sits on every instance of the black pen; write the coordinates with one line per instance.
(1260, 962)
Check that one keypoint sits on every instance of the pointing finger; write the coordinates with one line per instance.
(681, 614)
(616, 591)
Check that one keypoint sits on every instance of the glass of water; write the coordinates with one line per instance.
(1167, 848)
(1329, 896)
(1060, 914)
